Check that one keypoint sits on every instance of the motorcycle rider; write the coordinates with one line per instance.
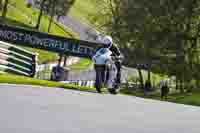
(100, 67)
(116, 54)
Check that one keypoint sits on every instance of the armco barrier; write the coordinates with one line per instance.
(17, 60)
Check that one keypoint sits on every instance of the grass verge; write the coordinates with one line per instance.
(43, 55)
(14, 79)
(188, 99)
(83, 64)
(185, 98)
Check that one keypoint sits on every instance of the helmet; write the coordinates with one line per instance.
(108, 41)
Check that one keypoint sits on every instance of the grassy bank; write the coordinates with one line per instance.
(20, 15)
(187, 98)
(192, 98)
(13, 79)
(18, 10)
(88, 11)
(83, 64)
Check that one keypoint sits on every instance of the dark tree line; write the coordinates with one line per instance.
(163, 30)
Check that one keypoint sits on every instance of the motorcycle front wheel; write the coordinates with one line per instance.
(99, 80)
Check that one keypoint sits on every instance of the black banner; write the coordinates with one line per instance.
(34, 39)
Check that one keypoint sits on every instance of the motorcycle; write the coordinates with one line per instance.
(106, 71)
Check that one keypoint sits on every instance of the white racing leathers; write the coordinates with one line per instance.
(103, 58)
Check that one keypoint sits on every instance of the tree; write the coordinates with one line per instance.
(5, 8)
(159, 28)
(40, 14)
(52, 6)
(63, 7)
(57, 8)
(1, 4)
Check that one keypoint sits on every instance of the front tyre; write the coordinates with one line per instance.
(113, 91)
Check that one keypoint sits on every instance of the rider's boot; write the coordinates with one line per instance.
(112, 91)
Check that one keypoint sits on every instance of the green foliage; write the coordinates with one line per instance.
(43, 55)
(19, 15)
(83, 64)
(162, 30)
(59, 7)
(29, 16)
(187, 99)
(5, 8)
(90, 11)
(53, 8)
(13, 79)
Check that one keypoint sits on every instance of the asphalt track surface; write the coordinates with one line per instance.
(26, 109)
